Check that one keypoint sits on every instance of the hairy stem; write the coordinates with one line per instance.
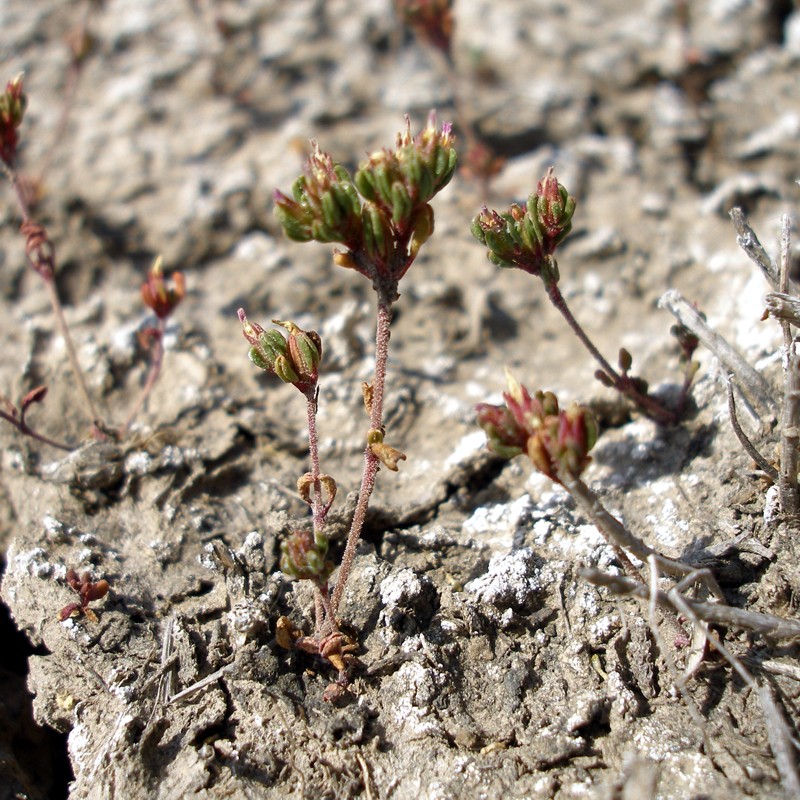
(371, 461)
(317, 504)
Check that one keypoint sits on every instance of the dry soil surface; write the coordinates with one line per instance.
(490, 668)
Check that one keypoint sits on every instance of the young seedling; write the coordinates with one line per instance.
(88, 590)
(16, 416)
(382, 217)
(527, 238)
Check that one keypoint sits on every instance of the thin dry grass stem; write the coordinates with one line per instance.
(746, 239)
(790, 420)
(718, 613)
(201, 684)
(678, 679)
(702, 614)
(778, 734)
(758, 389)
(783, 307)
(742, 437)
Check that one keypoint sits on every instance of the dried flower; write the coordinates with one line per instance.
(159, 297)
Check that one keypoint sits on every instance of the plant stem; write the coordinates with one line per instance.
(58, 311)
(622, 383)
(616, 533)
(55, 302)
(156, 362)
(371, 462)
(26, 430)
(317, 505)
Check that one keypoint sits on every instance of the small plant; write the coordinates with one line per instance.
(382, 217)
(527, 238)
(432, 23)
(88, 591)
(162, 299)
(41, 255)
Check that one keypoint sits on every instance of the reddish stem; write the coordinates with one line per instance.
(156, 362)
(622, 383)
(55, 302)
(26, 430)
(371, 462)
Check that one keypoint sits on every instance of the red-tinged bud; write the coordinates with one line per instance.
(506, 438)
(326, 206)
(303, 557)
(527, 238)
(294, 359)
(556, 441)
(13, 103)
(160, 297)
(304, 355)
(624, 360)
(554, 209)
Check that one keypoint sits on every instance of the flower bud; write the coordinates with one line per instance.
(527, 238)
(422, 229)
(13, 103)
(303, 557)
(294, 360)
(305, 352)
(556, 441)
(162, 299)
(326, 206)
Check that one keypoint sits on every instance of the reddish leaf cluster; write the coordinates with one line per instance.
(88, 591)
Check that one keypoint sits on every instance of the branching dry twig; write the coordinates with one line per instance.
(765, 624)
(790, 420)
(757, 387)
